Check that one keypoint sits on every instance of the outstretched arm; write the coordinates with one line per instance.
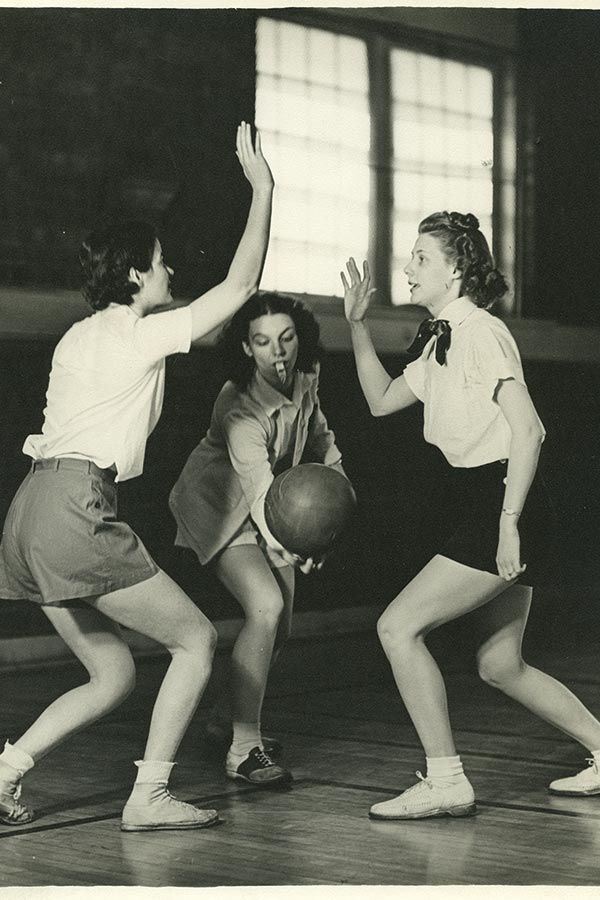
(222, 301)
(384, 394)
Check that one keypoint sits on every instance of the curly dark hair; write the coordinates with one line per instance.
(465, 246)
(239, 367)
(106, 258)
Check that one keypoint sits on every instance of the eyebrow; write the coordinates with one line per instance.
(262, 334)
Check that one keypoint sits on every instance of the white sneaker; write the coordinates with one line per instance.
(428, 798)
(151, 807)
(584, 784)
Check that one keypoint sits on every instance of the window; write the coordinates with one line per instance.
(366, 138)
(312, 107)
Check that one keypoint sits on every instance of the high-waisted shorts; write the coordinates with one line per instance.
(478, 496)
(62, 539)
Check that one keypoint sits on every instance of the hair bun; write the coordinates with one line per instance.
(463, 221)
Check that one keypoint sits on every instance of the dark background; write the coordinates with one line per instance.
(133, 112)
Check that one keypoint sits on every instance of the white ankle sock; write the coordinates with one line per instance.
(153, 771)
(17, 759)
(446, 768)
(246, 736)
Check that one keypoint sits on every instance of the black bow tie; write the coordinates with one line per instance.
(438, 328)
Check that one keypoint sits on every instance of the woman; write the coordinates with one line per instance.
(63, 546)
(478, 412)
(264, 417)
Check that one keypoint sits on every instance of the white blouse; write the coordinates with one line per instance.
(461, 413)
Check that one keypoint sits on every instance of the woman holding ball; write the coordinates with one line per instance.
(266, 414)
(478, 412)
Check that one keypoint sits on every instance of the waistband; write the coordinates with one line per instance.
(78, 465)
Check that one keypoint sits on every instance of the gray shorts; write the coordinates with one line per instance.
(62, 539)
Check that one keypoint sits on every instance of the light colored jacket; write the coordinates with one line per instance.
(253, 435)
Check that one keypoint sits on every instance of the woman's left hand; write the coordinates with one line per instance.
(508, 557)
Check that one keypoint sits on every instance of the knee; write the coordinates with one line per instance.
(115, 681)
(204, 639)
(498, 669)
(397, 629)
(267, 614)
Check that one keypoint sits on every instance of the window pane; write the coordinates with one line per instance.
(443, 146)
(313, 111)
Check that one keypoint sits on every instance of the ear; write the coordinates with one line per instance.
(247, 349)
(136, 276)
(456, 274)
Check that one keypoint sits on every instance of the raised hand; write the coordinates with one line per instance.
(357, 293)
(256, 168)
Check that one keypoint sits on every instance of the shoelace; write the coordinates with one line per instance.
(18, 809)
(263, 758)
(419, 785)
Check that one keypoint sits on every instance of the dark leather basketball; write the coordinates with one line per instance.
(307, 507)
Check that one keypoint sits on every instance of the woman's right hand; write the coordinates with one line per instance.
(358, 293)
(256, 168)
(306, 566)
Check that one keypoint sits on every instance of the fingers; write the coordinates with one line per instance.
(509, 570)
(344, 282)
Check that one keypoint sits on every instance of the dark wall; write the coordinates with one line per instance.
(110, 113)
(559, 59)
(399, 480)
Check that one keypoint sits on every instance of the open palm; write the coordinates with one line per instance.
(357, 291)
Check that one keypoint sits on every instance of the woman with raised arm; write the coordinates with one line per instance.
(63, 546)
(478, 412)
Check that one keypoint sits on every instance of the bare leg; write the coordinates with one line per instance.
(502, 623)
(97, 643)
(159, 609)
(246, 574)
(442, 591)
(222, 712)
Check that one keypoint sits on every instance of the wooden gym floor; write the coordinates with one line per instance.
(349, 743)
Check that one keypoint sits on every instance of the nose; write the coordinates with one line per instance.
(407, 268)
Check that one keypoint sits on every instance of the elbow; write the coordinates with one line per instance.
(377, 410)
(242, 288)
(532, 435)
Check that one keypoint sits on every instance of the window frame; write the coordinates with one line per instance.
(380, 37)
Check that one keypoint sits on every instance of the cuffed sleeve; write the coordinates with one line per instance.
(493, 357)
(415, 377)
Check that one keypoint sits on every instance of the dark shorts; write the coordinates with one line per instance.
(478, 496)
(62, 539)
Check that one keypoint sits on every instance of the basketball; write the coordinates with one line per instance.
(307, 507)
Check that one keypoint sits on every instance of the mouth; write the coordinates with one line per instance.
(281, 371)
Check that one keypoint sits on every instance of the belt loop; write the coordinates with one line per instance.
(33, 465)
(90, 464)
(56, 463)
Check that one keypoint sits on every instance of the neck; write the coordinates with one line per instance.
(436, 306)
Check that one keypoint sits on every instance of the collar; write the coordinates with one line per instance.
(271, 399)
(457, 310)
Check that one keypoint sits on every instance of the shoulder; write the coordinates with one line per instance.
(484, 328)
(234, 406)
